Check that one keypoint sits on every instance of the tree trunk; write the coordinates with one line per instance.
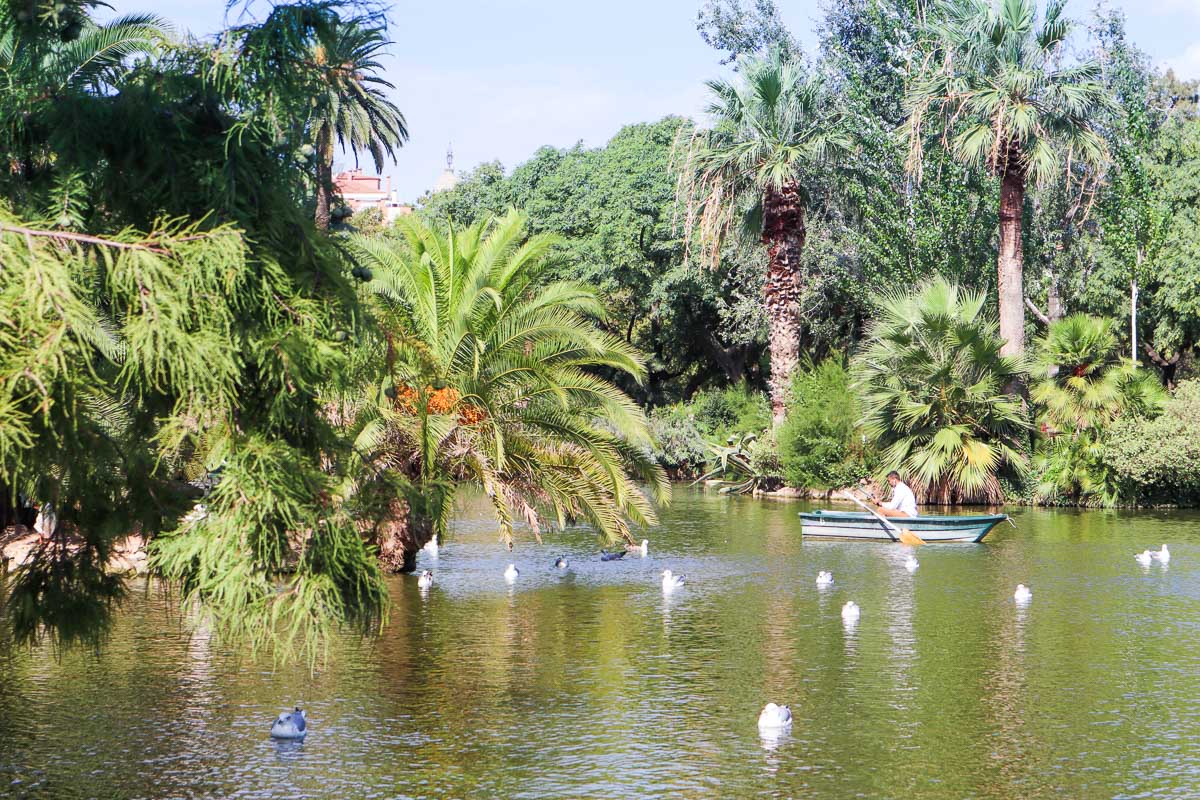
(324, 177)
(399, 536)
(783, 234)
(1010, 262)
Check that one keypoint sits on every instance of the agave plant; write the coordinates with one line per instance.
(932, 381)
(489, 378)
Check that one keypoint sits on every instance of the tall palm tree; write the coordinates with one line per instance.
(489, 377)
(932, 379)
(993, 90)
(772, 128)
(349, 102)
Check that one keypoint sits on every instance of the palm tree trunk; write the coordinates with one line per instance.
(324, 177)
(1010, 262)
(783, 234)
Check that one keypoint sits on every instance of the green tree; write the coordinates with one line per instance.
(773, 130)
(316, 69)
(729, 26)
(490, 378)
(931, 378)
(993, 90)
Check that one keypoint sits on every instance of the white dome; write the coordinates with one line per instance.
(446, 181)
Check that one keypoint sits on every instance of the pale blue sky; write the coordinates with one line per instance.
(499, 78)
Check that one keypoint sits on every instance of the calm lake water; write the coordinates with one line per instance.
(589, 683)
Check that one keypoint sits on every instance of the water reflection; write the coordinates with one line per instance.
(592, 682)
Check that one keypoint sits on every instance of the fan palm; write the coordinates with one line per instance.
(1084, 383)
(994, 92)
(932, 379)
(773, 128)
(349, 104)
(489, 380)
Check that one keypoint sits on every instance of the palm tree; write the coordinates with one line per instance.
(46, 56)
(489, 378)
(1084, 384)
(931, 377)
(993, 91)
(305, 62)
(350, 104)
(773, 127)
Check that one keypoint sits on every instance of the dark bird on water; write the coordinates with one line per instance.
(607, 556)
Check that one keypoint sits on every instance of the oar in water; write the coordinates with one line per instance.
(904, 535)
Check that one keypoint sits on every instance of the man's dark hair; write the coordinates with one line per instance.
(894, 474)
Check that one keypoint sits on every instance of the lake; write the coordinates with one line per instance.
(590, 683)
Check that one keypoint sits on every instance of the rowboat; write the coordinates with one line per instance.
(859, 525)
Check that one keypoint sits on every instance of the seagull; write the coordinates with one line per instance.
(426, 580)
(607, 556)
(1163, 555)
(671, 581)
(561, 562)
(290, 726)
(1022, 594)
(431, 547)
(643, 548)
(824, 578)
(911, 564)
(1144, 558)
(850, 612)
(511, 573)
(774, 717)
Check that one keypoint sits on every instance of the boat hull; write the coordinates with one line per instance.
(854, 525)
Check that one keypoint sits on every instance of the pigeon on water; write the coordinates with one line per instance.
(290, 726)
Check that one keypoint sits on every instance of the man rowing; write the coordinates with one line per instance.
(903, 502)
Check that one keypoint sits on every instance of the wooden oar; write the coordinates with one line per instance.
(904, 535)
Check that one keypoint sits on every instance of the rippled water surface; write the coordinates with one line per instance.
(591, 683)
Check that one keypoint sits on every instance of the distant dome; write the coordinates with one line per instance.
(447, 180)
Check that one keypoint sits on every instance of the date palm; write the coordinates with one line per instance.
(773, 128)
(490, 378)
(994, 91)
(931, 377)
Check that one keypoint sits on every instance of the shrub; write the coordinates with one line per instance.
(731, 411)
(1158, 461)
(679, 445)
(820, 445)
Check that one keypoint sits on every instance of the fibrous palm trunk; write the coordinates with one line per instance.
(783, 234)
(324, 177)
(1010, 262)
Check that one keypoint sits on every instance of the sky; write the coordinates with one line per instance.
(500, 78)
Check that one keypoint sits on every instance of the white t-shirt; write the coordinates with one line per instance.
(903, 499)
